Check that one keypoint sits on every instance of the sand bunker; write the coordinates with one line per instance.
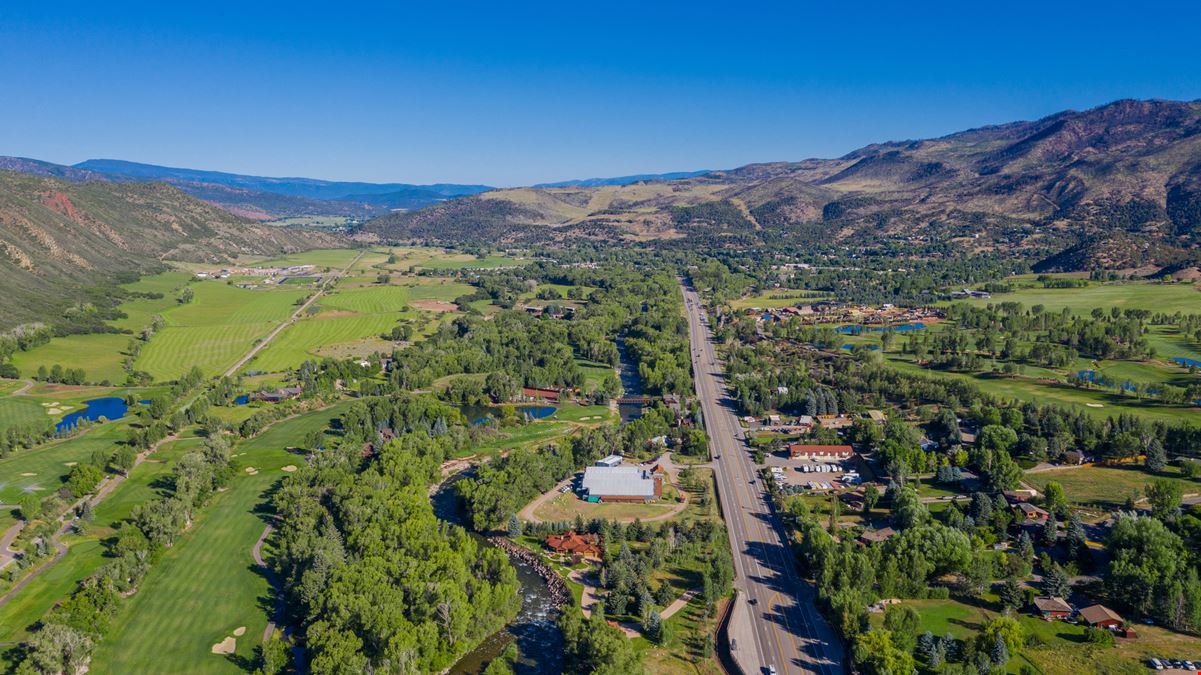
(70, 463)
(240, 631)
(54, 411)
(288, 469)
(252, 471)
(27, 474)
(227, 646)
(1095, 405)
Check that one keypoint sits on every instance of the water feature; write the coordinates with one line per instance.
(1187, 362)
(631, 384)
(539, 640)
(242, 400)
(109, 407)
(478, 414)
(857, 329)
(536, 412)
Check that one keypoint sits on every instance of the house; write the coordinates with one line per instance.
(579, 546)
(1018, 496)
(610, 461)
(282, 394)
(621, 484)
(773, 420)
(1028, 513)
(876, 416)
(1053, 608)
(672, 401)
(877, 536)
(820, 452)
(1101, 616)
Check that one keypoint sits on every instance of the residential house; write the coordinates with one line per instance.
(1029, 514)
(877, 536)
(1100, 616)
(1053, 608)
(579, 546)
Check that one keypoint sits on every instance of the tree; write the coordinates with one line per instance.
(908, 509)
(1056, 583)
(123, 459)
(1055, 498)
(1157, 458)
(876, 654)
(1164, 495)
(999, 654)
(58, 649)
(1145, 556)
(1050, 531)
(902, 621)
(1012, 595)
(31, 507)
(871, 496)
(514, 526)
(1010, 632)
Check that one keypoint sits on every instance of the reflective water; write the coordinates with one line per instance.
(109, 407)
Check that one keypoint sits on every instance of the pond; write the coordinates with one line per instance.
(1186, 362)
(902, 328)
(109, 407)
(537, 412)
(482, 414)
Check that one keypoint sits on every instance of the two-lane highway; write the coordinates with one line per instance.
(788, 633)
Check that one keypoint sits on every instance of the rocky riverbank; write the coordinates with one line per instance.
(560, 594)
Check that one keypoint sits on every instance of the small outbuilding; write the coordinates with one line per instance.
(1052, 608)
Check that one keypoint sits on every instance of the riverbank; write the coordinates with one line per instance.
(560, 594)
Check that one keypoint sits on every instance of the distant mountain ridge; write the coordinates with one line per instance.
(1030, 188)
(624, 180)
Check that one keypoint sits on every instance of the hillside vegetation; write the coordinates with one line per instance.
(1070, 180)
(62, 242)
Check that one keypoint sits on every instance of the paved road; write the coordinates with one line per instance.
(785, 627)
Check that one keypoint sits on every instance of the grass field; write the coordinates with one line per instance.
(1107, 486)
(21, 410)
(42, 469)
(1062, 649)
(207, 584)
(777, 297)
(1142, 295)
(85, 552)
(1105, 403)
(303, 340)
(99, 354)
(336, 258)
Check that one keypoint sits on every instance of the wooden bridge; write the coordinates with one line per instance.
(640, 400)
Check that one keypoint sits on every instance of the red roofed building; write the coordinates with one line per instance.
(578, 546)
(546, 394)
(820, 452)
(1101, 616)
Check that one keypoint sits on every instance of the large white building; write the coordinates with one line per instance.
(621, 484)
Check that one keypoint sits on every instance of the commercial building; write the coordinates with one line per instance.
(820, 452)
(621, 484)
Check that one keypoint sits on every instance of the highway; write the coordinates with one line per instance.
(779, 617)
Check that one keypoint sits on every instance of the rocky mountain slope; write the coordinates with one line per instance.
(60, 240)
(1131, 167)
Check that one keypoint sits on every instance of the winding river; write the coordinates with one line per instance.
(539, 640)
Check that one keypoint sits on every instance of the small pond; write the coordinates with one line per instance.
(109, 407)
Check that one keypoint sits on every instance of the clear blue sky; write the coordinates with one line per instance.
(514, 93)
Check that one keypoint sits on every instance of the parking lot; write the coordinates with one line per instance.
(811, 475)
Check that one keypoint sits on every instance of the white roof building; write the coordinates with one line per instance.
(611, 460)
(619, 482)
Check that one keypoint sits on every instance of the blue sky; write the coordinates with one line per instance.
(516, 93)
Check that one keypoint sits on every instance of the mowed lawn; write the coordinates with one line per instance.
(99, 354)
(303, 339)
(85, 552)
(207, 585)
(1156, 297)
(1107, 485)
(42, 470)
(220, 325)
(21, 411)
(1104, 403)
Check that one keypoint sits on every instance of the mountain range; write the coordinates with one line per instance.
(258, 197)
(1073, 181)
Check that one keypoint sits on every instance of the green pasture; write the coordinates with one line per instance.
(43, 469)
(207, 584)
(1152, 296)
(1105, 403)
(336, 258)
(1108, 486)
(301, 340)
(99, 354)
(174, 351)
(367, 299)
(777, 297)
(21, 411)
